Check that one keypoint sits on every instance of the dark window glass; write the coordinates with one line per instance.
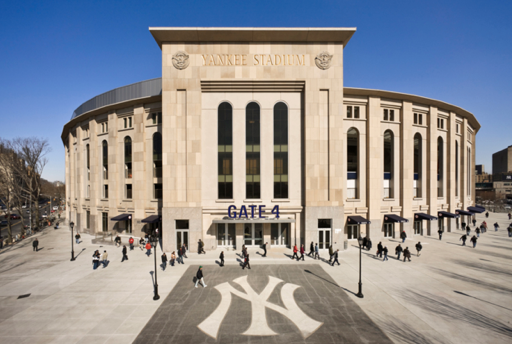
(157, 147)
(352, 150)
(391, 115)
(456, 168)
(385, 114)
(252, 146)
(128, 156)
(440, 179)
(421, 119)
(128, 191)
(225, 150)
(280, 151)
(158, 191)
(349, 111)
(182, 224)
(105, 191)
(356, 111)
(415, 118)
(388, 151)
(104, 222)
(324, 223)
(417, 154)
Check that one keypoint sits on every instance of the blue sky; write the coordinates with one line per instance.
(55, 55)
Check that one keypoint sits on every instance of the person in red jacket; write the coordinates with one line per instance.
(148, 248)
(131, 243)
(295, 252)
(302, 252)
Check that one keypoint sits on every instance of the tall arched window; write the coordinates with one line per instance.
(440, 166)
(280, 151)
(104, 163)
(352, 162)
(252, 153)
(88, 161)
(417, 165)
(388, 164)
(456, 168)
(128, 157)
(469, 171)
(157, 165)
(225, 150)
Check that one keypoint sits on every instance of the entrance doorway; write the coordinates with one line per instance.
(226, 235)
(182, 234)
(352, 231)
(418, 227)
(389, 230)
(279, 234)
(253, 234)
(324, 233)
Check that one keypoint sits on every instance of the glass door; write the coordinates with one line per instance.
(279, 234)
(182, 238)
(253, 234)
(324, 239)
(352, 231)
(389, 229)
(226, 235)
(418, 227)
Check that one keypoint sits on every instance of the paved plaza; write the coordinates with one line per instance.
(450, 294)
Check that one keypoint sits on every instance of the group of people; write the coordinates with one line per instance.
(383, 251)
(103, 258)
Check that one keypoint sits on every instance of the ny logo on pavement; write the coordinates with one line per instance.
(259, 325)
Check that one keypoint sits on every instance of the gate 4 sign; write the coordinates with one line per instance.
(259, 326)
(250, 211)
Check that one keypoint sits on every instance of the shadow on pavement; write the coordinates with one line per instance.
(309, 272)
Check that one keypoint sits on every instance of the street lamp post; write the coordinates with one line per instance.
(360, 292)
(72, 224)
(154, 242)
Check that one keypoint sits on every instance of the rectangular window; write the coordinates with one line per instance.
(420, 116)
(158, 191)
(128, 191)
(87, 219)
(386, 118)
(104, 222)
(182, 224)
(356, 111)
(225, 151)
(349, 111)
(457, 128)
(129, 122)
(391, 115)
(105, 191)
(415, 118)
(252, 151)
(280, 151)
(125, 121)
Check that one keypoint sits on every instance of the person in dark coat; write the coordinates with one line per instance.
(369, 244)
(398, 251)
(331, 253)
(200, 277)
(496, 226)
(365, 241)
(385, 251)
(474, 222)
(35, 243)
(440, 232)
(77, 238)
(403, 236)
(183, 252)
(118, 241)
(164, 261)
(180, 255)
(221, 257)
(311, 250)
(418, 248)
(265, 249)
(473, 240)
(468, 230)
(335, 257)
(246, 262)
(487, 215)
(201, 247)
(463, 238)
(407, 254)
(477, 231)
(379, 249)
(125, 254)
(302, 250)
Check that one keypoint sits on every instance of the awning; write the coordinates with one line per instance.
(152, 219)
(255, 220)
(463, 212)
(357, 220)
(476, 210)
(423, 216)
(394, 218)
(122, 217)
(447, 214)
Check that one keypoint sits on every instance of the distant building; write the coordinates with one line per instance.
(502, 161)
(479, 169)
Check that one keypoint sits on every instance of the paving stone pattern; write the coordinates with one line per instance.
(176, 320)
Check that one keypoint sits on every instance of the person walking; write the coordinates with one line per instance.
(200, 277)
(468, 230)
(184, 253)
(246, 263)
(35, 245)
(407, 254)
(173, 258)
(330, 254)
(474, 222)
(125, 254)
(1, 242)
(104, 258)
(201, 247)
(295, 250)
(509, 229)
(477, 231)
(244, 252)
(141, 243)
(369, 244)
(473, 240)
(302, 250)
(221, 257)
(463, 238)
(365, 241)
(418, 248)
(180, 255)
(77, 238)
(164, 261)
(487, 215)
(265, 249)
(335, 257)
(403, 236)
(385, 251)
(148, 249)
(311, 250)
(509, 216)
(485, 226)
(131, 241)
(95, 260)
(379, 249)
(440, 232)
(317, 256)
(463, 225)
(496, 226)
(118, 241)
(398, 251)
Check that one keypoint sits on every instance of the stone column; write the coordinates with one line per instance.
(450, 170)
(432, 170)
(374, 156)
(407, 168)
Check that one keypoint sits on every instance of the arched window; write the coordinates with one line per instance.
(388, 164)
(157, 155)
(252, 153)
(417, 165)
(104, 163)
(280, 151)
(352, 162)
(225, 150)
(88, 161)
(440, 167)
(469, 171)
(128, 157)
(456, 168)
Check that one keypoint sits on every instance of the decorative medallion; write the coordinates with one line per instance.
(180, 60)
(323, 60)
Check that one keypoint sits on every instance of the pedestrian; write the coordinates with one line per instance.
(118, 241)
(440, 232)
(302, 250)
(184, 249)
(104, 258)
(244, 251)
(473, 240)
(365, 241)
(482, 229)
(385, 251)
(148, 249)
(496, 226)
(125, 254)
(131, 241)
(485, 226)
(463, 238)
(201, 247)
(331, 253)
(477, 231)
(164, 261)
(463, 225)
(141, 243)
(509, 229)
(246, 263)
(509, 216)
(295, 250)
(95, 260)
(379, 250)
(311, 250)
(316, 251)
(1, 242)
(265, 249)
(180, 255)
(487, 215)
(407, 254)
(369, 244)
(221, 257)
(474, 222)
(200, 277)
(335, 256)
(173, 258)
(35, 245)
(77, 238)
(403, 236)
(398, 251)
(468, 230)
(418, 248)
